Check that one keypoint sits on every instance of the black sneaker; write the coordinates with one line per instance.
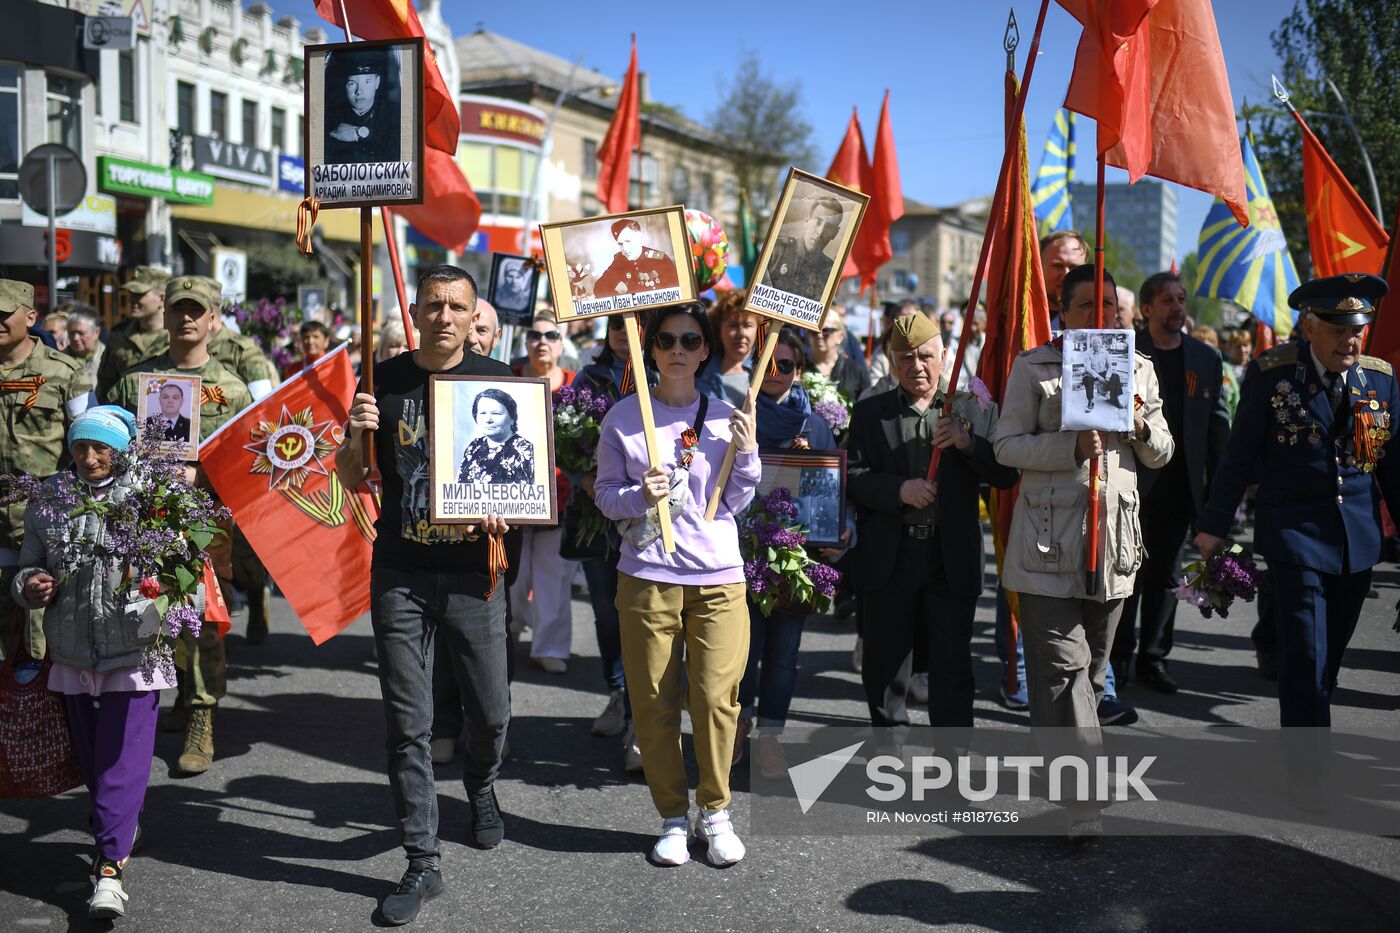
(487, 828)
(421, 883)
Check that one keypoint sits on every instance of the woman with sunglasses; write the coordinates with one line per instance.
(690, 603)
(785, 419)
(828, 356)
(540, 596)
(726, 374)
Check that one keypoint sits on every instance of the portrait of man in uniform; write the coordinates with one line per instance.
(362, 106)
(802, 261)
(169, 409)
(636, 267)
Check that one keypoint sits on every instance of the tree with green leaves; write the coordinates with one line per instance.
(760, 123)
(1355, 43)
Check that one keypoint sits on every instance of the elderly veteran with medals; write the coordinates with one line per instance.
(920, 542)
(1065, 630)
(1314, 430)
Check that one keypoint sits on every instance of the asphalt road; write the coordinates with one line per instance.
(293, 828)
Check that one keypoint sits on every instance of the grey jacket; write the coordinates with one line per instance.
(93, 623)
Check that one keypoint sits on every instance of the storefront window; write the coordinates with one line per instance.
(65, 112)
(9, 132)
(501, 176)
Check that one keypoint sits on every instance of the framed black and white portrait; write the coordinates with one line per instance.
(619, 262)
(364, 123)
(311, 299)
(491, 450)
(817, 481)
(168, 409)
(1097, 380)
(513, 285)
(799, 268)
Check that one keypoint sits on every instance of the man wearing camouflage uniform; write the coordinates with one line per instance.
(41, 391)
(190, 307)
(130, 341)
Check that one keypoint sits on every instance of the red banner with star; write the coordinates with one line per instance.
(274, 467)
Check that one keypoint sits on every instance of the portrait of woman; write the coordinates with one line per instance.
(498, 454)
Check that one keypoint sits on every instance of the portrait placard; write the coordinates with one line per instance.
(799, 268)
(1097, 380)
(167, 407)
(817, 481)
(490, 450)
(363, 141)
(619, 262)
(311, 299)
(514, 282)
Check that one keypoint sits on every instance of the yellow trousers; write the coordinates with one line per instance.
(711, 625)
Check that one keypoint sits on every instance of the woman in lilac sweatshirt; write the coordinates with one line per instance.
(689, 603)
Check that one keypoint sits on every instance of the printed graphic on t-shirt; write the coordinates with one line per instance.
(411, 455)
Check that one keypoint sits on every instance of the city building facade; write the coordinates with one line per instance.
(1140, 217)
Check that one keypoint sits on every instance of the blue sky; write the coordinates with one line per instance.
(941, 59)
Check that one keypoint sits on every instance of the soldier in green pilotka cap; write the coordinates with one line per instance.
(130, 341)
(41, 391)
(191, 304)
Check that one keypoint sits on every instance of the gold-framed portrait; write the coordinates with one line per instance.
(632, 261)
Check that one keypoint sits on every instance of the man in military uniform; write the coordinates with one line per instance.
(191, 303)
(130, 341)
(41, 392)
(1314, 429)
(362, 123)
(800, 264)
(635, 268)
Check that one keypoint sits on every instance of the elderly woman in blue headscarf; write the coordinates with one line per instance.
(98, 631)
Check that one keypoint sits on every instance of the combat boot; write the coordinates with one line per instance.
(198, 755)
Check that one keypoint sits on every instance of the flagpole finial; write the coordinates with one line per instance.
(1280, 91)
(1012, 38)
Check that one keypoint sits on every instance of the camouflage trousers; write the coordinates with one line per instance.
(33, 632)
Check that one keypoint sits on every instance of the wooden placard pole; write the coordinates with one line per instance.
(1091, 543)
(639, 375)
(759, 370)
(367, 318)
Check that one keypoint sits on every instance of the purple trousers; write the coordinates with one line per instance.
(114, 736)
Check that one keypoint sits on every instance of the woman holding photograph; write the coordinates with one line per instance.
(1066, 630)
(498, 454)
(540, 596)
(727, 374)
(689, 603)
(785, 420)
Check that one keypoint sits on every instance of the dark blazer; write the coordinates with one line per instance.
(179, 431)
(877, 467)
(1205, 419)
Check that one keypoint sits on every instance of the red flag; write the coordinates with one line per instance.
(851, 168)
(397, 19)
(624, 138)
(872, 247)
(215, 609)
(273, 466)
(450, 212)
(1188, 126)
(1343, 234)
(1384, 340)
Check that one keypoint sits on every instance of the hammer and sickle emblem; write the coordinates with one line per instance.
(290, 446)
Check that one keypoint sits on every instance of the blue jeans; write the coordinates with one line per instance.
(1003, 632)
(410, 611)
(602, 593)
(773, 642)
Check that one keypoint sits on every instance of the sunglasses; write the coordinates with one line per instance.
(689, 342)
(616, 323)
(828, 331)
(535, 336)
(785, 367)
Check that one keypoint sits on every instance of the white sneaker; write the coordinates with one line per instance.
(672, 848)
(108, 899)
(613, 720)
(442, 751)
(631, 752)
(716, 831)
(918, 688)
(858, 655)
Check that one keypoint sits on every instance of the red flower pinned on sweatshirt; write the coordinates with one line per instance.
(150, 588)
(690, 442)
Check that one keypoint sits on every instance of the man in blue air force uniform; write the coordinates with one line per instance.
(1315, 429)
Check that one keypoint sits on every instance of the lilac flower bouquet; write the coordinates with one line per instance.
(158, 536)
(828, 402)
(1213, 585)
(271, 324)
(578, 421)
(779, 571)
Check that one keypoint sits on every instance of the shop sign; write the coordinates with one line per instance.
(97, 214)
(291, 174)
(500, 119)
(234, 161)
(123, 176)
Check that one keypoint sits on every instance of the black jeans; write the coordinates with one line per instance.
(1165, 521)
(409, 610)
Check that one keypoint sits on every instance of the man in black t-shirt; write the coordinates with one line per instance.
(431, 581)
(1189, 373)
